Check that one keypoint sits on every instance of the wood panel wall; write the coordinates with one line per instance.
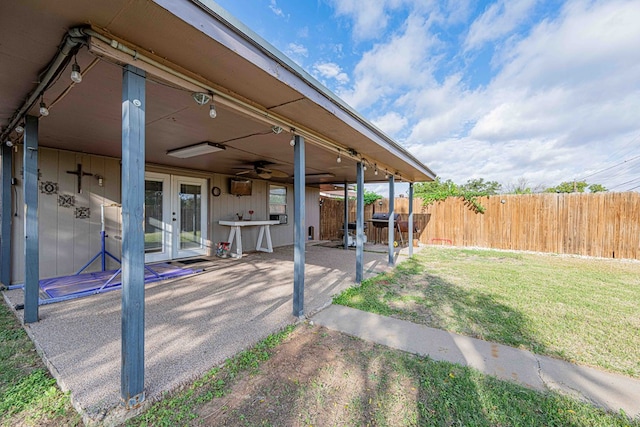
(602, 225)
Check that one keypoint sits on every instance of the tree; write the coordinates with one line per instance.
(597, 188)
(371, 197)
(436, 190)
(481, 187)
(575, 187)
(520, 187)
(568, 187)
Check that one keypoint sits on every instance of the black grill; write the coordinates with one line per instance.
(381, 219)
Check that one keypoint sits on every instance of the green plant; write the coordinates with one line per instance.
(439, 190)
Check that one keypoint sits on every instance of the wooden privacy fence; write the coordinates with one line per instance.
(601, 224)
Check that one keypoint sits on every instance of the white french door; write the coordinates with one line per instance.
(175, 217)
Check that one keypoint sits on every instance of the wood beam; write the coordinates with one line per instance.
(133, 163)
(30, 197)
(299, 236)
(359, 222)
(392, 223)
(6, 216)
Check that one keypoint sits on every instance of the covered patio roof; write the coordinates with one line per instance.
(255, 88)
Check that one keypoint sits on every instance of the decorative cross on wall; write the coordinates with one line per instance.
(79, 173)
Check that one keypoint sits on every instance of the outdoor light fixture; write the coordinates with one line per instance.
(205, 147)
(276, 129)
(76, 76)
(339, 159)
(201, 98)
(375, 170)
(293, 138)
(364, 165)
(9, 143)
(44, 111)
(19, 129)
(212, 111)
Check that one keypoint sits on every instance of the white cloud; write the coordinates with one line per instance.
(563, 100)
(368, 19)
(405, 61)
(296, 49)
(275, 9)
(390, 123)
(498, 20)
(331, 70)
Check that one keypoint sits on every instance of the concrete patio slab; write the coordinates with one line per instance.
(192, 324)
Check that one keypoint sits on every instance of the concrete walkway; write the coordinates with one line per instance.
(607, 390)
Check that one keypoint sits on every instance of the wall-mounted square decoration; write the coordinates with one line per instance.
(83, 212)
(48, 187)
(66, 200)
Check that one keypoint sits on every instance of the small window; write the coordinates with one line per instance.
(277, 199)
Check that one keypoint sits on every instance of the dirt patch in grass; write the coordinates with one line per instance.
(319, 377)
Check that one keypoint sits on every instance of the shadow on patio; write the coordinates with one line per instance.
(192, 324)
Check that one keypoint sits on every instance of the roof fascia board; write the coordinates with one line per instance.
(238, 38)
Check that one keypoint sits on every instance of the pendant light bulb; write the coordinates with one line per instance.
(212, 111)
(19, 129)
(339, 159)
(76, 76)
(375, 171)
(293, 141)
(44, 111)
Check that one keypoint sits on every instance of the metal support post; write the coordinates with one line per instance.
(410, 226)
(7, 204)
(359, 222)
(299, 235)
(133, 162)
(31, 247)
(392, 223)
(346, 216)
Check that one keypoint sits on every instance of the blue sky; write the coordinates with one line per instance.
(517, 91)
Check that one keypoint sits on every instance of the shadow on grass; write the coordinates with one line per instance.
(322, 377)
(410, 293)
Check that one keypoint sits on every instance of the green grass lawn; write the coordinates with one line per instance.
(28, 394)
(583, 310)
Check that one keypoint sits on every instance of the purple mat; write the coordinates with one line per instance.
(88, 282)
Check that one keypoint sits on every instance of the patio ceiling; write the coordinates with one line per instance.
(185, 36)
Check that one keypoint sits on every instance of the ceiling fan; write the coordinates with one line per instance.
(262, 169)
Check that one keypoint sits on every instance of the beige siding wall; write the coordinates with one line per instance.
(67, 243)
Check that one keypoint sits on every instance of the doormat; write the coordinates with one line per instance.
(192, 261)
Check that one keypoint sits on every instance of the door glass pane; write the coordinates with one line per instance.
(153, 225)
(190, 225)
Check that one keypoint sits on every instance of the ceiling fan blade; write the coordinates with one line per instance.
(264, 175)
(279, 174)
(244, 172)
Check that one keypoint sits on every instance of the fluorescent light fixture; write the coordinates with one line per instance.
(320, 175)
(205, 147)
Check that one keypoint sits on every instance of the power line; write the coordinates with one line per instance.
(625, 183)
(610, 167)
